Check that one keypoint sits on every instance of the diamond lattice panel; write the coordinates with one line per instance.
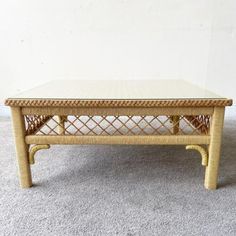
(117, 125)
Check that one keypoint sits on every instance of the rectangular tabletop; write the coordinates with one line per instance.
(116, 92)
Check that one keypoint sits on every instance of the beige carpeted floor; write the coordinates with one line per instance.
(117, 190)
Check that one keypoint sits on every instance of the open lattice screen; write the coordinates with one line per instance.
(117, 125)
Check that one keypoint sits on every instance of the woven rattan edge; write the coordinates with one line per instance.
(117, 103)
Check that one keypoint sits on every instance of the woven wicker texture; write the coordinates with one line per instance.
(118, 125)
(118, 103)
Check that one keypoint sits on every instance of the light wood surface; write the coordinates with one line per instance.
(118, 89)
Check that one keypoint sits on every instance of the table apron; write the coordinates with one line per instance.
(117, 111)
(119, 139)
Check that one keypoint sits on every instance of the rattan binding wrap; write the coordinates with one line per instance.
(118, 103)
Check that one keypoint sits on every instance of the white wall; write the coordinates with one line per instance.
(221, 69)
(117, 39)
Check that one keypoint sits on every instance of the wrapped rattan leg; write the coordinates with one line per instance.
(21, 148)
(175, 124)
(61, 124)
(214, 148)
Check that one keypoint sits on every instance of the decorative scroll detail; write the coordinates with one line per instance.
(117, 125)
(34, 149)
(118, 103)
(202, 151)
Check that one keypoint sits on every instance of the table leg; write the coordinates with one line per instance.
(216, 128)
(175, 122)
(61, 124)
(21, 148)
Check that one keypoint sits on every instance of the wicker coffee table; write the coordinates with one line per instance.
(118, 112)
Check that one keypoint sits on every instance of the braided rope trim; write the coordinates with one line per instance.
(117, 103)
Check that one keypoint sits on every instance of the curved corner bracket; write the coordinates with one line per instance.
(34, 149)
(202, 151)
